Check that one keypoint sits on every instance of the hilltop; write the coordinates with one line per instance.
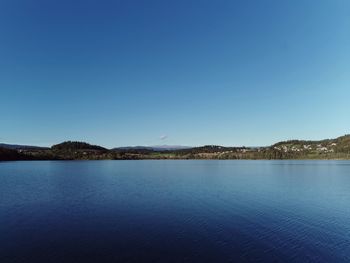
(72, 150)
(75, 146)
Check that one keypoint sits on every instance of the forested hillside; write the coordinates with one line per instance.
(338, 148)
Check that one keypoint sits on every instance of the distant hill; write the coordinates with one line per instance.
(207, 149)
(153, 148)
(169, 147)
(127, 148)
(21, 147)
(338, 148)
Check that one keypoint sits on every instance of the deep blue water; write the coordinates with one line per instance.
(175, 211)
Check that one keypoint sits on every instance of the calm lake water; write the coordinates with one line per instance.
(175, 211)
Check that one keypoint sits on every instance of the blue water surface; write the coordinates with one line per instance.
(175, 211)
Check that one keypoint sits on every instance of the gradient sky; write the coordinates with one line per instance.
(128, 72)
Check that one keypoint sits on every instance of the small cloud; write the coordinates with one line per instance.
(163, 137)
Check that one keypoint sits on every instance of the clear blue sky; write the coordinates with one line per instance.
(183, 72)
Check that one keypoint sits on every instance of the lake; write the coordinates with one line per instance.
(175, 211)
